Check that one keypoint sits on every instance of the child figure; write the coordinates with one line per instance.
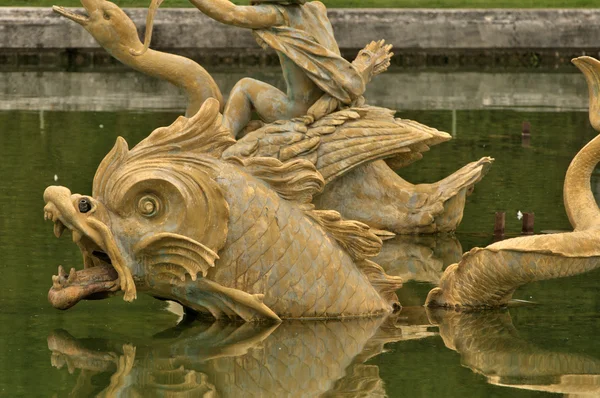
(302, 36)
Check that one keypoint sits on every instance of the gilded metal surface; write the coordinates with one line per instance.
(230, 237)
(319, 82)
(250, 228)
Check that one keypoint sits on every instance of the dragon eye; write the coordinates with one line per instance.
(106, 16)
(149, 205)
(84, 205)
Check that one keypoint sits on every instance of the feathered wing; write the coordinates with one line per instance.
(340, 141)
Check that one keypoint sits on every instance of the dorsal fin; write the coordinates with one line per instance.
(357, 238)
(296, 180)
(202, 133)
(386, 285)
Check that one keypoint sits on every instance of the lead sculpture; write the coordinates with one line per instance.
(251, 228)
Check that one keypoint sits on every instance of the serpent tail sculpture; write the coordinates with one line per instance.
(488, 277)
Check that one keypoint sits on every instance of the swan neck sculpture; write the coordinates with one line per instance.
(579, 200)
(117, 33)
(488, 277)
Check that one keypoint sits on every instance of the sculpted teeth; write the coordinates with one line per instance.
(62, 279)
(59, 228)
(55, 282)
(76, 236)
(72, 275)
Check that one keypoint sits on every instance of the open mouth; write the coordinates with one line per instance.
(97, 280)
(79, 18)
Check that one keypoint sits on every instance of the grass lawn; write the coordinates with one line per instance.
(348, 3)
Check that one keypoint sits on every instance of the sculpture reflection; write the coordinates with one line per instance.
(420, 258)
(234, 360)
(490, 345)
(315, 358)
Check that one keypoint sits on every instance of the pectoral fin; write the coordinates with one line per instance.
(247, 306)
(175, 255)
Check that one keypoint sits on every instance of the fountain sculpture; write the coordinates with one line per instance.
(277, 219)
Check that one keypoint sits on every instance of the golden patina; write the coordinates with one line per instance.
(488, 277)
(319, 83)
(279, 217)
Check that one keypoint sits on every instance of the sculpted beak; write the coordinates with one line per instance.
(90, 6)
(590, 68)
(80, 19)
(105, 269)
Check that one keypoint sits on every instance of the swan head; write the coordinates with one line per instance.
(590, 67)
(110, 26)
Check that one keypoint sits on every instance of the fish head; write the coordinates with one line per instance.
(88, 219)
(156, 211)
(107, 23)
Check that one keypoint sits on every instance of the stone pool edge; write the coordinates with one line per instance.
(37, 37)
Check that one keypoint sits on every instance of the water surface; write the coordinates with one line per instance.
(110, 346)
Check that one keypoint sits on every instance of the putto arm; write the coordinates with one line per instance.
(252, 17)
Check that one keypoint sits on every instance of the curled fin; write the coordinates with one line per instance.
(386, 285)
(176, 255)
(296, 180)
(357, 238)
(249, 307)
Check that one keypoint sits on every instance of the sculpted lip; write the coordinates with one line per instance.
(98, 279)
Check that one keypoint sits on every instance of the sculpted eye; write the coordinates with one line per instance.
(84, 205)
(149, 205)
(106, 16)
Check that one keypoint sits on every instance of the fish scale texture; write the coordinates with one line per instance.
(274, 249)
(489, 276)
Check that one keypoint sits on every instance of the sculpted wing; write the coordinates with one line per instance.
(339, 141)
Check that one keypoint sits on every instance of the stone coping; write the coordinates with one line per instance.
(406, 29)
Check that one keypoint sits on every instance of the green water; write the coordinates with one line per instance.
(531, 348)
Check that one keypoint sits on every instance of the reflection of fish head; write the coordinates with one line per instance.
(233, 359)
(420, 258)
(156, 205)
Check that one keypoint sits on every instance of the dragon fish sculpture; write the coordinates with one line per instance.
(244, 228)
(370, 190)
(238, 237)
(233, 238)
